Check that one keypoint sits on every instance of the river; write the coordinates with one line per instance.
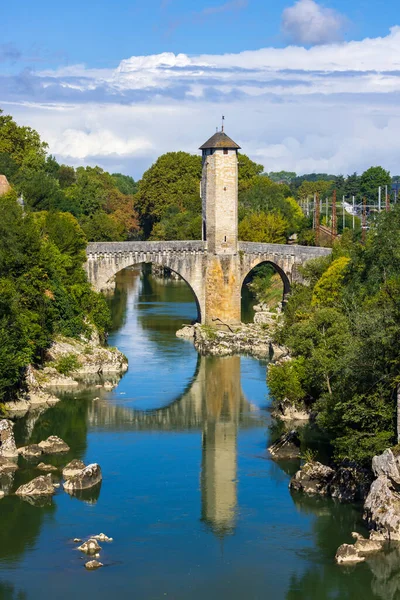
(196, 507)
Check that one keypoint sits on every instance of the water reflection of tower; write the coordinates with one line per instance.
(221, 400)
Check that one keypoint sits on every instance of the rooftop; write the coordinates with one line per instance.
(220, 140)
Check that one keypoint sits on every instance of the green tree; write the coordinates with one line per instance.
(262, 227)
(370, 181)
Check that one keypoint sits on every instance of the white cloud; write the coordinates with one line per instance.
(307, 22)
(328, 108)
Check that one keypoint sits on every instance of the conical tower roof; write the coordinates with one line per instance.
(220, 140)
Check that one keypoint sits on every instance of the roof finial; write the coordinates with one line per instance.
(223, 119)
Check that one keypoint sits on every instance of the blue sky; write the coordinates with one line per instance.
(304, 85)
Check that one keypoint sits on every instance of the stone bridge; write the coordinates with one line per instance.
(219, 278)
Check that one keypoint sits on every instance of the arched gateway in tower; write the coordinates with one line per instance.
(216, 266)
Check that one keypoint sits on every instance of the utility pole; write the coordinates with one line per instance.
(344, 214)
(354, 211)
(379, 198)
(387, 199)
(317, 213)
(334, 225)
(364, 220)
(326, 211)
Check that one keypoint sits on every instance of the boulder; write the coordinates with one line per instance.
(364, 545)
(90, 547)
(73, 468)
(91, 565)
(186, 332)
(312, 478)
(348, 554)
(102, 537)
(46, 468)
(85, 479)
(286, 411)
(8, 449)
(386, 464)
(287, 447)
(2, 494)
(350, 483)
(31, 451)
(40, 486)
(382, 508)
(54, 445)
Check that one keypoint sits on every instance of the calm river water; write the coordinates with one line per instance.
(196, 508)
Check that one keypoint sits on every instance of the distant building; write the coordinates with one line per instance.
(4, 185)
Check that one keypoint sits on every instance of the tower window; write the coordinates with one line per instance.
(225, 238)
(225, 150)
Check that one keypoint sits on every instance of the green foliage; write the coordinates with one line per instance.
(126, 185)
(262, 227)
(328, 288)
(43, 288)
(286, 381)
(67, 364)
(371, 179)
(345, 326)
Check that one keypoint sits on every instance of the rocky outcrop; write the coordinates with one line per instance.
(382, 506)
(73, 468)
(312, 478)
(87, 478)
(287, 447)
(40, 486)
(245, 339)
(102, 537)
(8, 448)
(347, 483)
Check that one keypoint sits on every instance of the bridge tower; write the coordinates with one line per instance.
(219, 194)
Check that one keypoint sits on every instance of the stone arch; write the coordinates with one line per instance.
(102, 270)
(278, 269)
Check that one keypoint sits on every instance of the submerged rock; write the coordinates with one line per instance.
(91, 565)
(8, 449)
(73, 468)
(287, 447)
(84, 479)
(46, 468)
(7, 466)
(40, 486)
(31, 451)
(348, 554)
(54, 445)
(312, 478)
(90, 547)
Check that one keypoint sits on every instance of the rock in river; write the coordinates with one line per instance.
(46, 468)
(32, 451)
(40, 486)
(73, 468)
(84, 479)
(347, 553)
(287, 447)
(8, 448)
(91, 565)
(312, 478)
(54, 445)
(7, 466)
(90, 547)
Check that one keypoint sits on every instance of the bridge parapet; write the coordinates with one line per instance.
(96, 248)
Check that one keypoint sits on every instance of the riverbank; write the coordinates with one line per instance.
(69, 363)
